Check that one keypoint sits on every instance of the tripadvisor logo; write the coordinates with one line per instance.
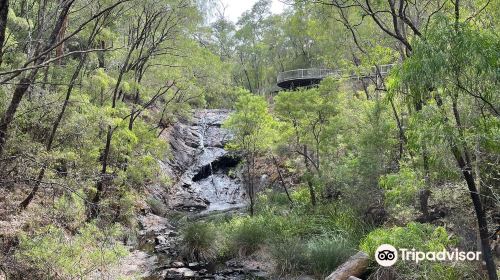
(388, 255)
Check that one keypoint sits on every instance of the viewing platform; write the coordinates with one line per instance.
(307, 77)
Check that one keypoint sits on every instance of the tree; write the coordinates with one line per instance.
(254, 132)
(308, 115)
(453, 69)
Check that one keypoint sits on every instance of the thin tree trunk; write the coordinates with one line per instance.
(310, 184)
(24, 204)
(7, 118)
(465, 166)
(94, 208)
(4, 11)
(24, 83)
(250, 185)
(282, 179)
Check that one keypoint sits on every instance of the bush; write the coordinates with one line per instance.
(320, 256)
(59, 256)
(247, 234)
(401, 187)
(70, 209)
(290, 255)
(199, 241)
(157, 207)
(422, 237)
(326, 254)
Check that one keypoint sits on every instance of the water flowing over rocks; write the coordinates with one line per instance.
(204, 180)
(202, 169)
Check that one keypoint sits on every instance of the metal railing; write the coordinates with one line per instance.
(319, 74)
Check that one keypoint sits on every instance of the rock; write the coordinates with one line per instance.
(153, 223)
(189, 273)
(177, 264)
(194, 265)
(161, 240)
(179, 273)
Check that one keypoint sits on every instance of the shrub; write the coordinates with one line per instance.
(60, 256)
(422, 237)
(126, 204)
(70, 209)
(301, 196)
(320, 256)
(157, 207)
(199, 241)
(247, 234)
(401, 187)
(326, 254)
(290, 255)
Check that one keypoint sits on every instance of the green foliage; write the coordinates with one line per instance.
(327, 253)
(402, 187)
(70, 209)
(198, 241)
(423, 237)
(247, 234)
(57, 255)
(290, 255)
(320, 256)
(252, 125)
(157, 206)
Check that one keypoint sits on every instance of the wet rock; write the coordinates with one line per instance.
(179, 273)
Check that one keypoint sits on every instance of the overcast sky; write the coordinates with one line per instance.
(234, 8)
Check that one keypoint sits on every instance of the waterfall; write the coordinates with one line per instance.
(204, 128)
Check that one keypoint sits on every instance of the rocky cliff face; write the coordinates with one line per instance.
(204, 180)
(203, 173)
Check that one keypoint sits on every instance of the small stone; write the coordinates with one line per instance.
(160, 240)
(193, 265)
(177, 264)
(179, 273)
(189, 273)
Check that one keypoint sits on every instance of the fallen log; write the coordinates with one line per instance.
(355, 266)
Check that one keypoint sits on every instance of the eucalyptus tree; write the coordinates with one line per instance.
(150, 32)
(455, 69)
(254, 132)
(98, 26)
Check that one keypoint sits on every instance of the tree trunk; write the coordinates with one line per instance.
(4, 11)
(60, 36)
(94, 208)
(282, 179)
(310, 184)
(24, 83)
(100, 55)
(7, 118)
(250, 186)
(465, 166)
(355, 266)
(24, 204)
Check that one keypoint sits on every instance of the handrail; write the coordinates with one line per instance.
(319, 73)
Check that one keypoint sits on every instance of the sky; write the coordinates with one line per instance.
(234, 8)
